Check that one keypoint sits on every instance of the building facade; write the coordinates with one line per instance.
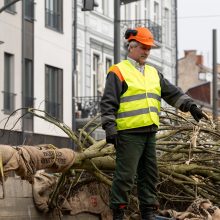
(37, 57)
(35, 68)
(192, 66)
(95, 48)
(196, 79)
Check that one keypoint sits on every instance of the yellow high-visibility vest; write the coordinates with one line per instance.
(140, 104)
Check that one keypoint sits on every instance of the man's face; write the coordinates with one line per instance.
(140, 53)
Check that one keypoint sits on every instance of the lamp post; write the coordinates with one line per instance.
(176, 36)
(117, 32)
(88, 5)
(74, 71)
(215, 77)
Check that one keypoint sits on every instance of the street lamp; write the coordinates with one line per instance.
(88, 5)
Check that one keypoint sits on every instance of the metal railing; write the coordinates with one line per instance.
(87, 106)
(153, 27)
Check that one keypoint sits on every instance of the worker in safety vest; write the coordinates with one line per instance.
(130, 109)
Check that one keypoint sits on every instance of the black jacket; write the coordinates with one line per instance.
(116, 86)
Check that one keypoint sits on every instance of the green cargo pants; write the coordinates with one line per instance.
(135, 155)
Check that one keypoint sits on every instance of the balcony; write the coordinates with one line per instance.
(153, 27)
(87, 106)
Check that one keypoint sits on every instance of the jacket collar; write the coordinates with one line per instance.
(136, 65)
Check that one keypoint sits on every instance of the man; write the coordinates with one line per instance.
(130, 110)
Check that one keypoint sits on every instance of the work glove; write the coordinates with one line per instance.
(112, 139)
(197, 113)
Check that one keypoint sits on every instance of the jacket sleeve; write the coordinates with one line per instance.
(174, 95)
(110, 101)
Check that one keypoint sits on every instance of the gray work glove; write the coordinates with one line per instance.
(197, 113)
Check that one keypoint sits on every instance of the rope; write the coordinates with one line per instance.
(2, 176)
(51, 146)
(193, 143)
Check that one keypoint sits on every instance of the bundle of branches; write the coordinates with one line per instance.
(188, 160)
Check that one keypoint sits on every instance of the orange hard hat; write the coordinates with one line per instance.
(140, 34)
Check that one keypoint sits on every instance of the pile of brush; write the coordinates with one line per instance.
(188, 160)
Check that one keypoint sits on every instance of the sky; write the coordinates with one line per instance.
(196, 21)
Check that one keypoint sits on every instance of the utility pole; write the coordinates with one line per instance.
(117, 31)
(214, 78)
(88, 5)
(117, 28)
(74, 71)
(176, 46)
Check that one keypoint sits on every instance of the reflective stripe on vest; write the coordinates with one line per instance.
(140, 96)
(140, 104)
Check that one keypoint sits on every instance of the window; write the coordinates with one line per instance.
(106, 8)
(126, 11)
(108, 64)
(146, 8)
(156, 13)
(28, 84)
(96, 59)
(8, 83)
(136, 12)
(54, 92)
(167, 26)
(54, 14)
(78, 80)
(10, 8)
(29, 9)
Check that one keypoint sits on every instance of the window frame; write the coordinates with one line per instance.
(29, 10)
(57, 9)
(54, 91)
(156, 13)
(8, 94)
(28, 84)
(12, 8)
(167, 26)
(94, 75)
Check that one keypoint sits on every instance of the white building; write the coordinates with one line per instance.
(36, 58)
(35, 67)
